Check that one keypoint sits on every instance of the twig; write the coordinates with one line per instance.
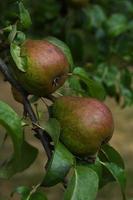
(40, 132)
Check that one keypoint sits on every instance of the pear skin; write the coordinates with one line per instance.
(86, 124)
(46, 67)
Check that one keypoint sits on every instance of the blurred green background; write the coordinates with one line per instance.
(100, 36)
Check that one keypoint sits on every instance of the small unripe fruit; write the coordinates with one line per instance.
(86, 124)
(46, 67)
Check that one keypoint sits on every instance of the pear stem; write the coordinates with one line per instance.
(28, 108)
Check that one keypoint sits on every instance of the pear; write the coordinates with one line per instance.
(86, 124)
(47, 67)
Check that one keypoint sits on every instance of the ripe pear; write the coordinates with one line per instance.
(46, 67)
(86, 124)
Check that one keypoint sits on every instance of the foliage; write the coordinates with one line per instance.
(100, 38)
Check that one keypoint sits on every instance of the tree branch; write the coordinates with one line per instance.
(44, 138)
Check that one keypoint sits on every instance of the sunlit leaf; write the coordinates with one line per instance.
(21, 62)
(13, 33)
(74, 83)
(24, 16)
(24, 154)
(83, 184)
(117, 24)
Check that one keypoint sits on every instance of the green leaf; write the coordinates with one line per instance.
(24, 16)
(20, 37)
(28, 155)
(64, 48)
(108, 74)
(75, 85)
(126, 78)
(126, 87)
(8, 28)
(38, 195)
(23, 191)
(12, 123)
(106, 177)
(3, 140)
(94, 88)
(29, 194)
(97, 167)
(58, 166)
(119, 175)
(111, 155)
(83, 184)
(95, 15)
(52, 127)
(13, 33)
(117, 24)
(20, 162)
(24, 154)
(127, 95)
(21, 62)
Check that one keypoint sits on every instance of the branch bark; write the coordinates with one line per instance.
(44, 138)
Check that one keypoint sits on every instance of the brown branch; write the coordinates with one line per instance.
(44, 138)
